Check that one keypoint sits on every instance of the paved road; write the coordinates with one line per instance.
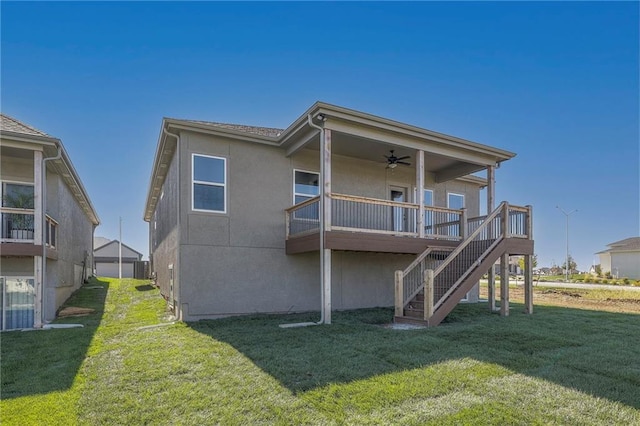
(582, 286)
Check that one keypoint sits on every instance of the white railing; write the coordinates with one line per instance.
(17, 225)
(371, 215)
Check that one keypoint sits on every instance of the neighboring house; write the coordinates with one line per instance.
(622, 258)
(236, 214)
(106, 258)
(58, 226)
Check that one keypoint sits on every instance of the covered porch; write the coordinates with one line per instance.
(400, 202)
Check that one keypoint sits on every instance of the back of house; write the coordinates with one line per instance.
(46, 214)
(319, 215)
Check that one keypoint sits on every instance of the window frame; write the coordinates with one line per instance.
(223, 185)
(295, 194)
(15, 182)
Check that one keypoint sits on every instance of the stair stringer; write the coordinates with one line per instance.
(479, 269)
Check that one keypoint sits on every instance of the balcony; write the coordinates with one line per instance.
(17, 234)
(369, 224)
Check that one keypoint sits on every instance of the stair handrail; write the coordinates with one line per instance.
(474, 234)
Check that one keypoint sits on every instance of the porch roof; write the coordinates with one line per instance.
(354, 134)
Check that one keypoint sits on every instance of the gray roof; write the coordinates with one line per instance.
(10, 124)
(256, 130)
(632, 243)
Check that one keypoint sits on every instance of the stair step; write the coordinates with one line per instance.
(413, 313)
(413, 321)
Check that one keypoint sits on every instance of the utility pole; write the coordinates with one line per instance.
(566, 269)
(120, 251)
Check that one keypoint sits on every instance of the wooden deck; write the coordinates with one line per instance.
(361, 241)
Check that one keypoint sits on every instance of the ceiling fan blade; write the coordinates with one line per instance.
(404, 162)
(404, 158)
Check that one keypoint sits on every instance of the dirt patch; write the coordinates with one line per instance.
(73, 311)
(570, 299)
(561, 292)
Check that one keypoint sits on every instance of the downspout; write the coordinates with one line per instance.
(41, 320)
(176, 268)
(320, 209)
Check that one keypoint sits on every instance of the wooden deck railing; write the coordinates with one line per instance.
(371, 215)
(442, 279)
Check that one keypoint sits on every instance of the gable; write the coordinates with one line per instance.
(112, 250)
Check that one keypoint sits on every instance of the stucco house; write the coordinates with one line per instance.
(340, 210)
(107, 256)
(46, 214)
(622, 258)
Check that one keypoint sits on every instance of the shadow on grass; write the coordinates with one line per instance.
(591, 351)
(43, 361)
(145, 287)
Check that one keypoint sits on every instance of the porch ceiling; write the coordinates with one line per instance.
(443, 167)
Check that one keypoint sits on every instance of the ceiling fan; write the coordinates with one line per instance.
(393, 161)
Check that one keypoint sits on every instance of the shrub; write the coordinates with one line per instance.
(626, 281)
(596, 281)
(605, 281)
(608, 275)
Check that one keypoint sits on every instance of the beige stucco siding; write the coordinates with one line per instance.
(626, 264)
(235, 263)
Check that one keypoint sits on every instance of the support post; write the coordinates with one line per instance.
(399, 277)
(463, 224)
(528, 266)
(38, 195)
(491, 276)
(428, 294)
(504, 285)
(38, 308)
(420, 193)
(528, 284)
(325, 223)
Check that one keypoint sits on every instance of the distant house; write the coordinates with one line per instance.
(46, 214)
(106, 257)
(622, 258)
(341, 210)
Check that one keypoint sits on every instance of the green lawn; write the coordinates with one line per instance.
(559, 366)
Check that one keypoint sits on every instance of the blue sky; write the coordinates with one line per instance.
(557, 83)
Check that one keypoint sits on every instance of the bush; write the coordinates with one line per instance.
(637, 283)
(608, 275)
(625, 281)
(596, 281)
(605, 281)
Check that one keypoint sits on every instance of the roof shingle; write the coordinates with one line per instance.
(261, 131)
(10, 124)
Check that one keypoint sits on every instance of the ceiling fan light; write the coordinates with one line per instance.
(393, 165)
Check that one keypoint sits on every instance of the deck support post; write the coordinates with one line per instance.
(528, 267)
(491, 276)
(504, 285)
(325, 222)
(399, 305)
(428, 294)
(420, 193)
(504, 264)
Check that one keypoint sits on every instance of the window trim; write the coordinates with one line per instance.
(464, 199)
(199, 182)
(294, 185)
(3, 184)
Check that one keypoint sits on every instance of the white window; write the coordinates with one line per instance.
(17, 195)
(209, 183)
(305, 185)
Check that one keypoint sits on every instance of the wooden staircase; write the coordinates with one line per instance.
(429, 289)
